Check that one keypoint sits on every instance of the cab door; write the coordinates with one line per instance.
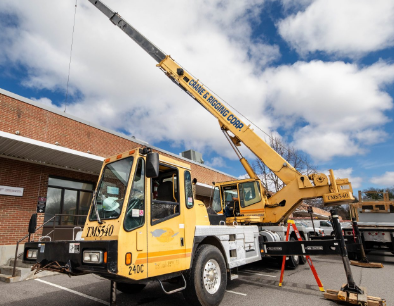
(133, 240)
(250, 198)
(166, 224)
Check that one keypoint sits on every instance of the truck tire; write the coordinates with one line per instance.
(130, 288)
(294, 260)
(206, 281)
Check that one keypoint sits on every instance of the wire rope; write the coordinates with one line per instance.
(71, 51)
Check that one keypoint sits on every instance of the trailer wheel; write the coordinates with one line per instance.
(206, 280)
(129, 288)
(294, 260)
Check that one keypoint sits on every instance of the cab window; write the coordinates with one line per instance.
(230, 200)
(111, 189)
(188, 190)
(135, 212)
(216, 206)
(165, 196)
(249, 193)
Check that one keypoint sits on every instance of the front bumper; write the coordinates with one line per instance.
(68, 255)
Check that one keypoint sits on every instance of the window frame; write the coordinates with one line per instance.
(152, 223)
(241, 194)
(128, 199)
(220, 199)
(191, 184)
(99, 183)
(62, 191)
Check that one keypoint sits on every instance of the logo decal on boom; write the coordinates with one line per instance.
(221, 109)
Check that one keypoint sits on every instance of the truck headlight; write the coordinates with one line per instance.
(93, 257)
(32, 253)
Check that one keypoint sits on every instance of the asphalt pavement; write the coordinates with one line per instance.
(257, 285)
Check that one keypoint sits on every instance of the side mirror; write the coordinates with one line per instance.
(152, 165)
(33, 224)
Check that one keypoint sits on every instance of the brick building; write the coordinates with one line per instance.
(50, 154)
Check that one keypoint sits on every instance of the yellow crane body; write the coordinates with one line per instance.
(145, 224)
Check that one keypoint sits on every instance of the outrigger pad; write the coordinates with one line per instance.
(354, 298)
(366, 264)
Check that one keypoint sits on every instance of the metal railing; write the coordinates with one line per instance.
(53, 237)
(60, 223)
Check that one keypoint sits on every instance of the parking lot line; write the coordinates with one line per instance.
(259, 274)
(73, 291)
(244, 294)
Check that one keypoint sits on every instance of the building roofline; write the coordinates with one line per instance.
(72, 117)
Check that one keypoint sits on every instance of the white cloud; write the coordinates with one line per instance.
(347, 173)
(117, 82)
(386, 180)
(351, 27)
(296, 4)
(329, 108)
(338, 105)
(46, 102)
(243, 176)
(216, 162)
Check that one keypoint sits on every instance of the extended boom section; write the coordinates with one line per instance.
(298, 186)
(117, 20)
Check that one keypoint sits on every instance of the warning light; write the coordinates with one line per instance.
(128, 259)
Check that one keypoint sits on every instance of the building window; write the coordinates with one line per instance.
(70, 198)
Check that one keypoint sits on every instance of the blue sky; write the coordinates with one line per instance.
(319, 74)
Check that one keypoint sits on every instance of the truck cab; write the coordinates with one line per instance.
(241, 201)
(141, 200)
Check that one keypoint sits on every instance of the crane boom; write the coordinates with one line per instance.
(227, 119)
(117, 20)
(142, 233)
(297, 186)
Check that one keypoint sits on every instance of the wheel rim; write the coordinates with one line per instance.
(211, 276)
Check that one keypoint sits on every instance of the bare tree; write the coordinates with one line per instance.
(296, 158)
(376, 194)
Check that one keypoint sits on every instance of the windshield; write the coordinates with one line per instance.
(111, 192)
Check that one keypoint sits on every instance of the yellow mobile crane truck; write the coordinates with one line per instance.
(144, 223)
